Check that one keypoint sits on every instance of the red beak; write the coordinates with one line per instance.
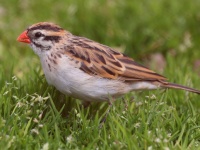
(24, 38)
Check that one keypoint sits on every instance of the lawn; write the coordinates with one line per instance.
(163, 35)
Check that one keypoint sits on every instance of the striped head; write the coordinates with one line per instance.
(43, 36)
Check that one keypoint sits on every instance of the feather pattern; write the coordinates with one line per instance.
(103, 61)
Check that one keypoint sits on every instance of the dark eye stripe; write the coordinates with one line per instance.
(52, 38)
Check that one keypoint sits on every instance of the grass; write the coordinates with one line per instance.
(34, 115)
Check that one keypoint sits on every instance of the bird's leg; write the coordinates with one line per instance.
(107, 112)
(125, 102)
(61, 97)
(86, 104)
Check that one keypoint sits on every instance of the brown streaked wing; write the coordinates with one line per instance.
(98, 59)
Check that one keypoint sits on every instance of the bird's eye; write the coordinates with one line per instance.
(38, 34)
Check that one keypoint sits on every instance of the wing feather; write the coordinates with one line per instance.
(101, 60)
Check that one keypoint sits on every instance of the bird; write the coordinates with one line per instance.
(87, 70)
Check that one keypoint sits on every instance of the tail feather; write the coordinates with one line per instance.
(177, 86)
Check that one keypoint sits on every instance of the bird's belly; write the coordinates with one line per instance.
(89, 89)
(78, 84)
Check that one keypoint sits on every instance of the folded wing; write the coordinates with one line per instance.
(98, 59)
